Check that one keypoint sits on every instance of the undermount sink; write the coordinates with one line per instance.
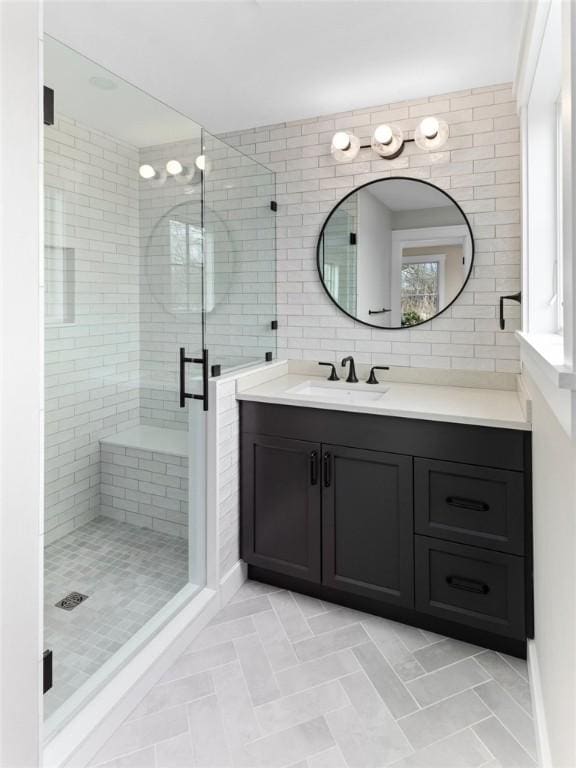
(336, 392)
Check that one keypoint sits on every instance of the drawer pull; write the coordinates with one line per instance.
(314, 468)
(468, 585)
(462, 503)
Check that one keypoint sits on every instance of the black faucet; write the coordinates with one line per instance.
(352, 378)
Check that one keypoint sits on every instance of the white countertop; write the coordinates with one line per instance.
(461, 405)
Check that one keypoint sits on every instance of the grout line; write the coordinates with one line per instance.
(504, 725)
(505, 660)
(495, 716)
(444, 738)
(452, 664)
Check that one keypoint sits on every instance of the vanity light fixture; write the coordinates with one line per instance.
(388, 140)
(345, 146)
(431, 133)
(147, 171)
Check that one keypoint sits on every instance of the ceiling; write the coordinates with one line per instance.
(238, 64)
(407, 195)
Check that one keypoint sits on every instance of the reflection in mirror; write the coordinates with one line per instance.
(395, 252)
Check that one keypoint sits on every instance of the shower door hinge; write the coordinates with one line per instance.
(273, 205)
(47, 670)
(48, 106)
(274, 325)
(352, 238)
(268, 357)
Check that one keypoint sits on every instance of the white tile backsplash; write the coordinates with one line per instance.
(479, 166)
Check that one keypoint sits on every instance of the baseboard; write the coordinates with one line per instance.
(540, 726)
(232, 582)
(81, 738)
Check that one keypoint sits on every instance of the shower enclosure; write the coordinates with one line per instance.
(159, 271)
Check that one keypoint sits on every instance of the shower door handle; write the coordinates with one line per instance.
(203, 361)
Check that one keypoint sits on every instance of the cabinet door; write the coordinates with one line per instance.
(281, 527)
(367, 523)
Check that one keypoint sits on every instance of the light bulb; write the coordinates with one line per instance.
(431, 134)
(388, 141)
(341, 141)
(147, 171)
(383, 134)
(174, 167)
(345, 146)
(201, 162)
(430, 127)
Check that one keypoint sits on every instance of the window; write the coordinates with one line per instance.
(559, 255)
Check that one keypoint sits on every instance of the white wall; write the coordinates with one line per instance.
(20, 386)
(479, 167)
(554, 494)
(374, 255)
(548, 366)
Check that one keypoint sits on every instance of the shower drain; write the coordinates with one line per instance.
(71, 601)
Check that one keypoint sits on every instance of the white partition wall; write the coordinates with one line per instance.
(20, 385)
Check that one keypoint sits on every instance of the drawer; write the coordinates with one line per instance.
(473, 505)
(472, 586)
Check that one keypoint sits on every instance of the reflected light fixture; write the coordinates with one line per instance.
(345, 146)
(147, 171)
(388, 140)
(174, 168)
(202, 163)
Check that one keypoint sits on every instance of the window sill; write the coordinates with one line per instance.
(546, 352)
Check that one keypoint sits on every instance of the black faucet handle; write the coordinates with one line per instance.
(333, 375)
(372, 378)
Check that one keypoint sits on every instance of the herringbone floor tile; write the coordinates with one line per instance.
(280, 680)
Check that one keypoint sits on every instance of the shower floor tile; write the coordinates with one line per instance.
(128, 573)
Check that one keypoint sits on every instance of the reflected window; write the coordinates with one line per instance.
(421, 288)
(185, 265)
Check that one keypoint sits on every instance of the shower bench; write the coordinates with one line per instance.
(144, 478)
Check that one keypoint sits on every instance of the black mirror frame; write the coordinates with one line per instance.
(377, 181)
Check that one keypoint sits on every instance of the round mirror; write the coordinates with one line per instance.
(395, 252)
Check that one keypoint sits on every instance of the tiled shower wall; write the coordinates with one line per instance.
(91, 362)
(119, 305)
(479, 166)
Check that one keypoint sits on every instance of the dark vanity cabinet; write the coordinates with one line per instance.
(424, 522)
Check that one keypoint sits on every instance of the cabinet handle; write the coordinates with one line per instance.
(327, 470)
(314, 468)
(461, 503)
(468, 585)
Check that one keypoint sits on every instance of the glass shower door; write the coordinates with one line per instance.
(125, 510)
